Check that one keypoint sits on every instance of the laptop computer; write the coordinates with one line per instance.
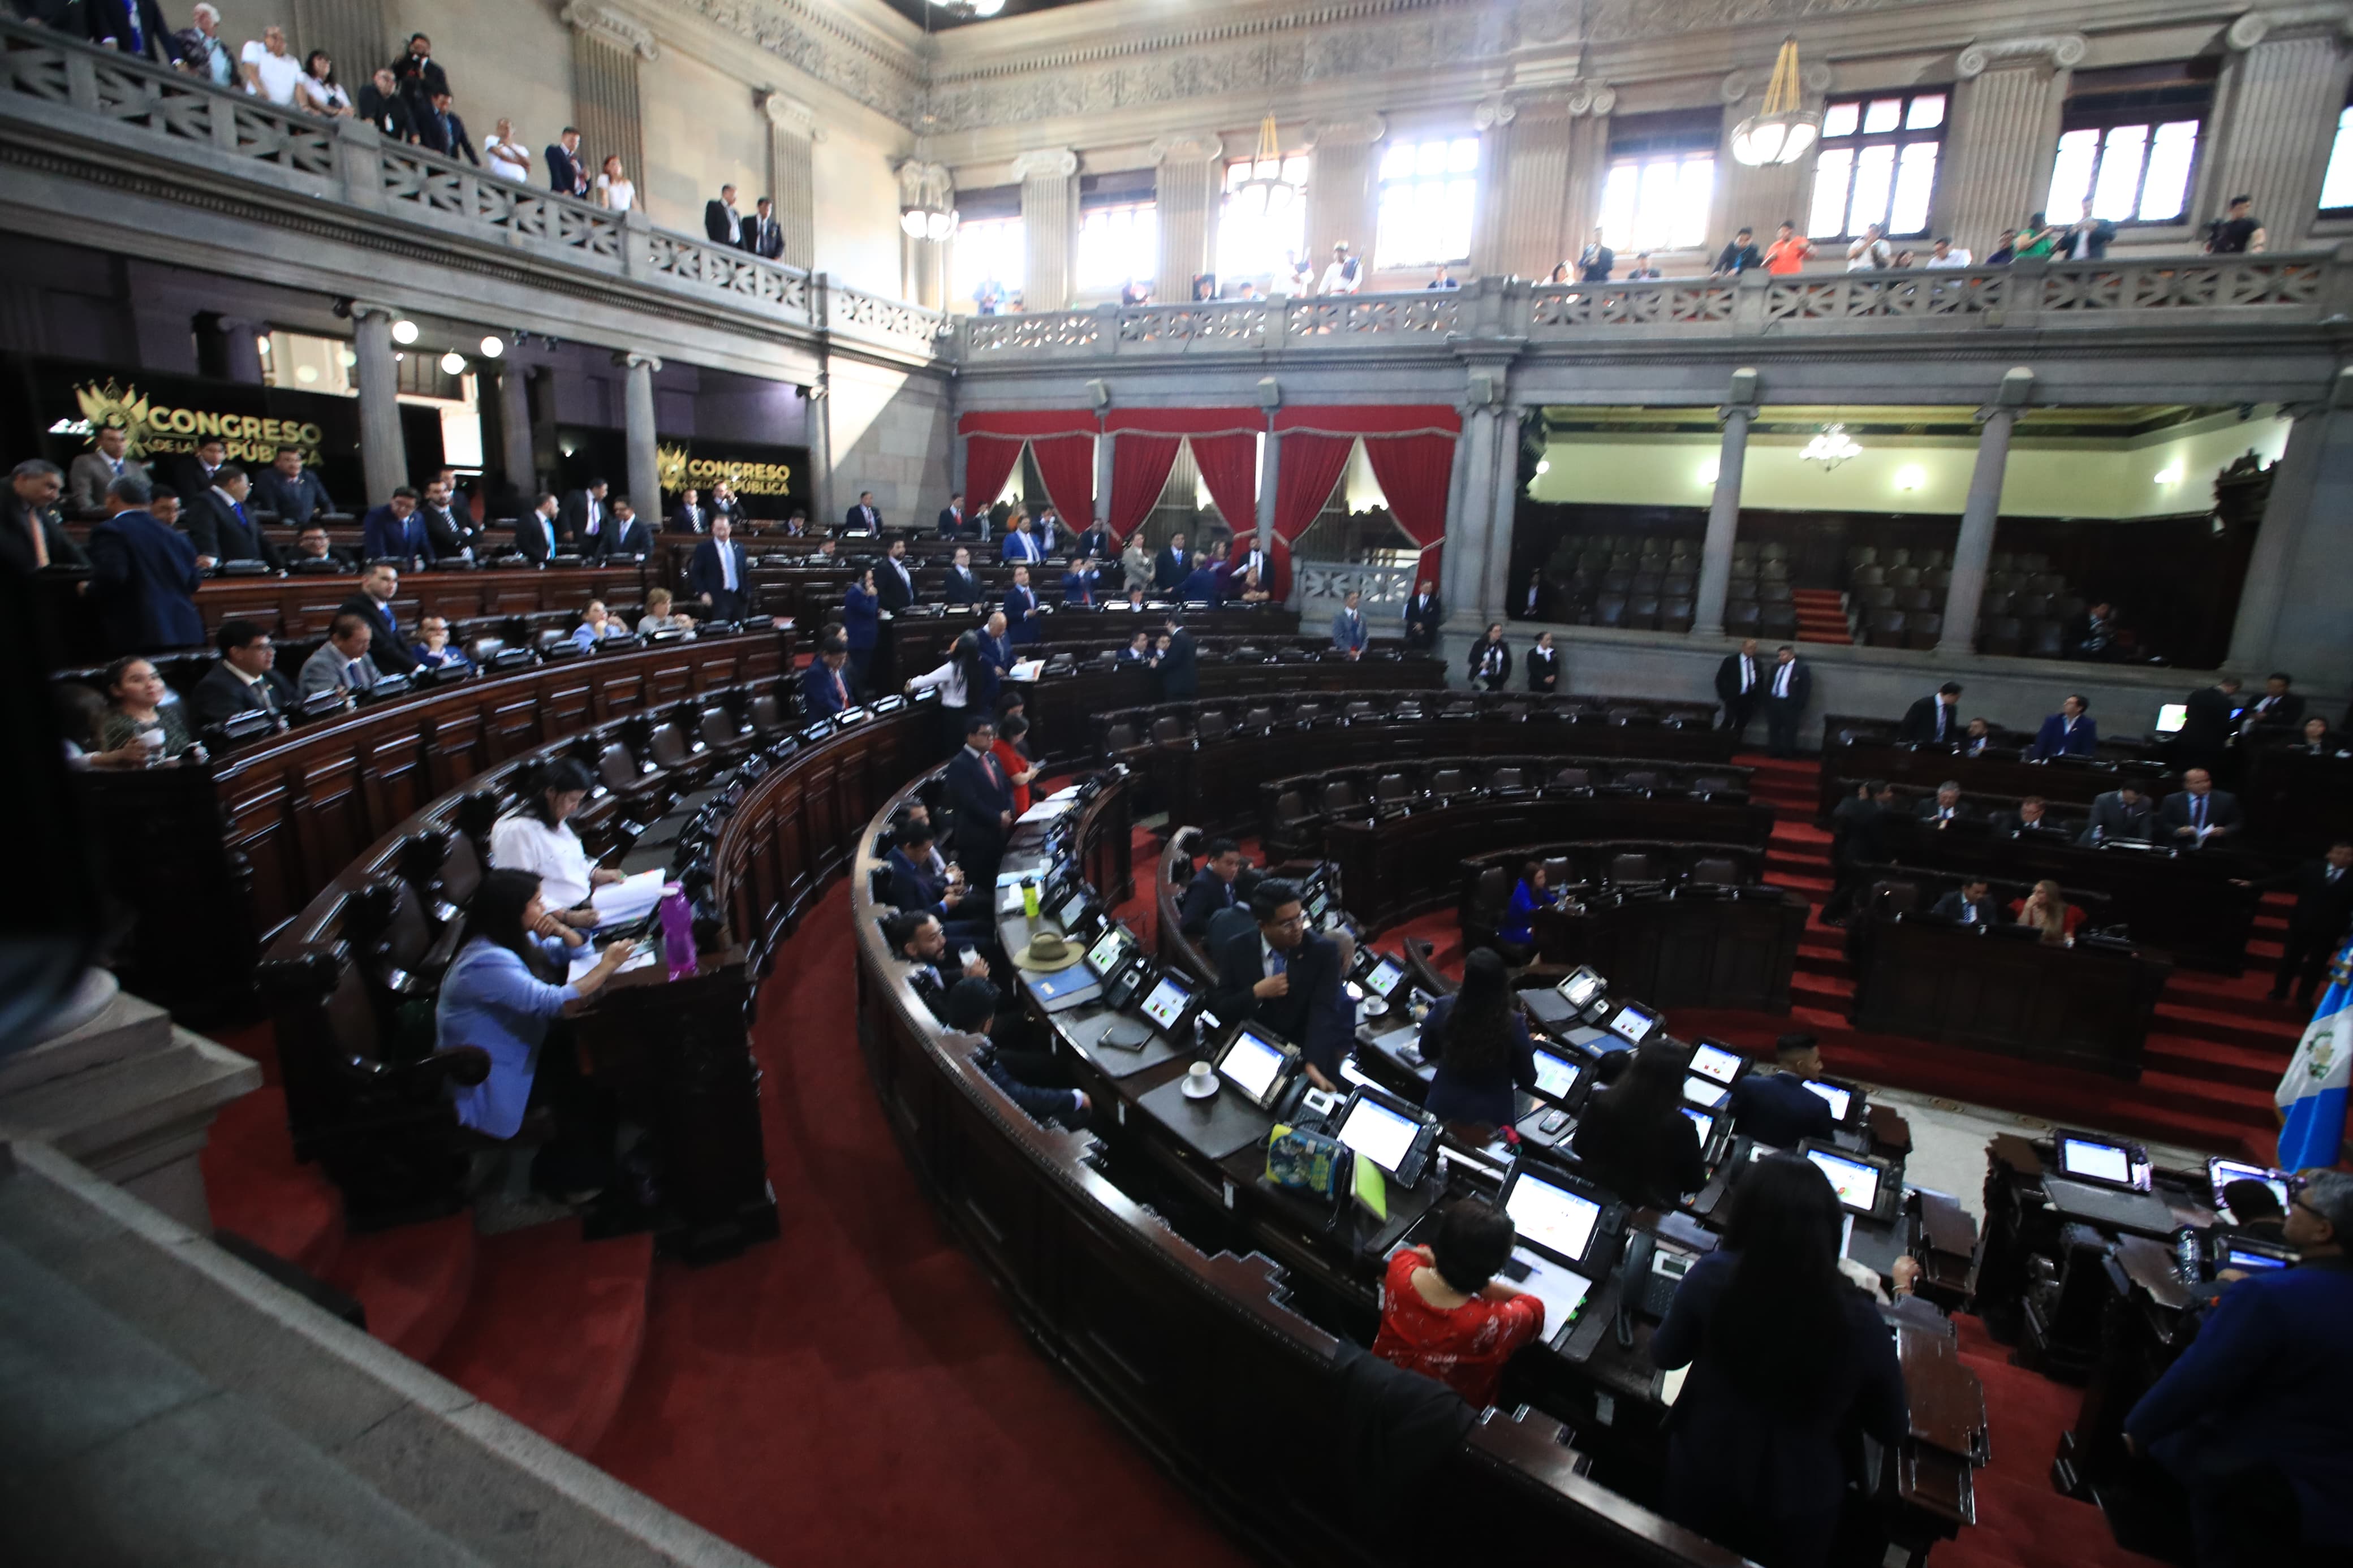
(1567, 1002)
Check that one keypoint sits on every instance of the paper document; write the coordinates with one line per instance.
(584, 959)
(1025, 669)
(1045, 811)
(618, 903)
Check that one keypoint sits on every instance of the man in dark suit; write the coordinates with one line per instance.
(2093, 634)
(863, 518)
(1969, 905)
(31, 537)
(1079, 585)
(394, 532)
(825, 690)
(691, 516)
(535, 531)
(447, 529)
(2069, 733)
(915, 887)
(565, 174)
(2031, 820)
(372, 602)
(193, 475)
(1857, 836)
(1091, 542)
(382, 104)
(218, 524)
(2210, 715)
(2277, 715)
(953, 524)
(440, 129)
(1777, 1109)
(2198, 813)
(1944, 808)
(586, 519)
(983, 797)
(1787, 690)
(143, 576)
(132, 27)
(295, 493)
(1423, 616)
(722, 224)
(894, 580)
(1171, 566)
(1211, 888)
(719, 575)
(2120, 813)
(420, 76)
(1021, 610)
(1180, 676)
(1595, 261)
(1203, 585)
(764, 239)
(964, 584)
(630, 533)
(243, 681)
(2324, 907)
(1934, 720)
(1286, 980)
(1739, 685)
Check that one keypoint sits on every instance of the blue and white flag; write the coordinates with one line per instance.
(2312, 1096)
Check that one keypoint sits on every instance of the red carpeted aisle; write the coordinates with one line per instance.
(856, 1393)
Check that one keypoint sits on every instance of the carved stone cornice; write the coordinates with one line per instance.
(1045, 163)
(1356, 130)
(2053, 52)
(623, 32)
(634, 359)
(1551, 100)
(2320, 21)
(788, 114)
(1189, 147)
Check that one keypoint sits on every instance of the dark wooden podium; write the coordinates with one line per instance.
(2075, 1006)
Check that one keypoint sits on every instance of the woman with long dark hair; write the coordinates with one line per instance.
(1480, 1042)
(1634, 1138)
(1784, 1354)
(1491, 660)
(1534, 891)
(537, 836)
(963, 679)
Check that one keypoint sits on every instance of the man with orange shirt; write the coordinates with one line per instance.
(1788, 250)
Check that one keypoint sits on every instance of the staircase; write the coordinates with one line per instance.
(1822, 616)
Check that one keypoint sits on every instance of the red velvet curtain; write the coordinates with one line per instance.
(988, 462)
(1308, 464)
(1140, 462)
(1067, 464)
(993, 443)
(1414, 472)
(1228, 464)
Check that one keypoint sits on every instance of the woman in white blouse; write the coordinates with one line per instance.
(536, 837)
(614, 191)
(318, 91)
(507, 156)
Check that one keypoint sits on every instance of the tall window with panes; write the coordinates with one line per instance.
(1119, 231)
(2128, 143)
(2336, 185)
(1261, 221)
(1429, 197)
(1878, 165)
(1660, 182)
(990, 250)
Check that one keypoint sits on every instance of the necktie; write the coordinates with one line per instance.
(995, 775)
(1278, 961)
(550, 529)
(118, 468)
(352, 674)
(1781, 681)
(1943, 716)
(727, 566)
(1748, 674)
(840, 692)
(2198, 811)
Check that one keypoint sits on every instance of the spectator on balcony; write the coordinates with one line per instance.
(394, 532)
(1644, 267)
(317, 89)
(722, 224)
(718, 574)
(614, 191)
(293, 493)
(2093, 634)
(220, 526)
(1595, 261)
(2037, 238)
(243, 681)
(1943, 253)
(1491, 660)
(1871, 253)
(1544, 666)
(766, 239)
(1739, 256)
(132, 26)
(1789, 251)
(109, 460)
(1345, 273)
(372, 602)
(433, 650)
(566, 175)
(200, 51)
(1443, 280)
(2277, 714)
(988, 299)
(32, 537)
(441, 131)
(503, 155)
(269, 66)
(381, 106)
(1561, 273)
(2088, 238)
(2237, 233)
(421, 78)
(1249, 290)
(342, 662)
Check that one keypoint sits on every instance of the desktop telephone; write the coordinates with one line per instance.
(1647, 1281)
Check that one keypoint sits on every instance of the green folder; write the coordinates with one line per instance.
(1371, 1190)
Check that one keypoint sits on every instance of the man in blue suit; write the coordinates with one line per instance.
(983, 797)
(379, 585)
(218, 524)
(394, 532)
(1079, 585)
(824, 691)
(1180, 678)
(132, 27)
(916, 889)
(144, 575)
(1020, 544)
(1169, 566)
(718, 574)
(1348, 627)
(1201, 587)
(1777, 1109)
(1021, 610)
(2069, 733)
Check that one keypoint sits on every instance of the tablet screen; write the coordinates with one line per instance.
(2238, 1258)
(1559, 1221)
(1703, 1121)
(1072, 908)
(1700, 1092)
(1108, 949)
(1167, 1002)
(1581, 989)
(1252, 1064)
(2099, 1162)
(1557, 1075)
(2222, 1172)
(1715, 1062)
(1857, 1184)
(1840, 1099)
(1378, 1133)
(1634, 1024)
(1383, 978)
(2172, 717)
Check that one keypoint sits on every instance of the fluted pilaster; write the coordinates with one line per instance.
(605, 49)
(2287, 78)
(1342, 195)
(1049, 223)
(2005, 128)
(1190, 172)
(793, 137)
(353, 33)
(925, 261)
(1531, 144)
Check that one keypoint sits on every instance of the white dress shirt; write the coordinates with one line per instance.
(1781, 678)
(522, 842)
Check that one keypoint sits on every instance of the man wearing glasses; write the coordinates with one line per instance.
(2253, 1419)
(1287, 979)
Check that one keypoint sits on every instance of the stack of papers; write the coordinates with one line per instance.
(632, 898)
(1025, 669)
(584, 959)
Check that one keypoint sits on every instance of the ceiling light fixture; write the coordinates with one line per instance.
(453, 363)
(1265, 196)
(1910, 476)
(493, 346)
(1833, 447)
(403, 330)
(1782, 133)
(2169, 476)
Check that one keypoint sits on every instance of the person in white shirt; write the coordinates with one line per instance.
(1345, 275)
(507, 157)
(536, 837)
(1944, 252)
(1872, 252)
(269, 70)
(318, 91)
(614, 192)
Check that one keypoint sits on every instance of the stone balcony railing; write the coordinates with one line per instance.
(224, 139)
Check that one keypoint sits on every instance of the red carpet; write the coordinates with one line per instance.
(1821, 617)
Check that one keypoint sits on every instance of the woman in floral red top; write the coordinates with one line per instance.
(1444, 1314)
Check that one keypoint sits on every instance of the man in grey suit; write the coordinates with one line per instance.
(2198, 812)
(2122, 813)
(87, 479)
(341, 663)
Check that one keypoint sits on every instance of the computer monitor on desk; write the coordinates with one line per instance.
(2102, 1162)
(1866, 1187)
(1393, 1134)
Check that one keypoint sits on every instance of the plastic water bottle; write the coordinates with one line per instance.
(1030, 897)
(677, 932)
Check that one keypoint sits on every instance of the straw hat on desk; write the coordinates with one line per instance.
(1047, 952)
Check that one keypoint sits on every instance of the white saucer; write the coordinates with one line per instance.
(1207, 1087)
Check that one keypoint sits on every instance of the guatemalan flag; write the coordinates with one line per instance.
(2312, 1095)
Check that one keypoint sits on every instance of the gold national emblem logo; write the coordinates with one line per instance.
(152, 429)
(677, 469)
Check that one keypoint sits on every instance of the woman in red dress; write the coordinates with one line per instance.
(1444, 1314)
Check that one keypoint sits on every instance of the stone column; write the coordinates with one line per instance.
(793, 137)
(1269, 470)
(1101, 510)
(820, 440)
(1049, 225)
(2286, 509)
(515, 429)
(1974, 548)
(355, 33)
(2005, 133)
(606, 48)
(1342, 196)
(637, 432)
(1502, 513)
(2287, 80)
(1723, 520)
(384, 457)
(1462, 571)
(2309, 640)
(1186, 188)
(925, 261)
